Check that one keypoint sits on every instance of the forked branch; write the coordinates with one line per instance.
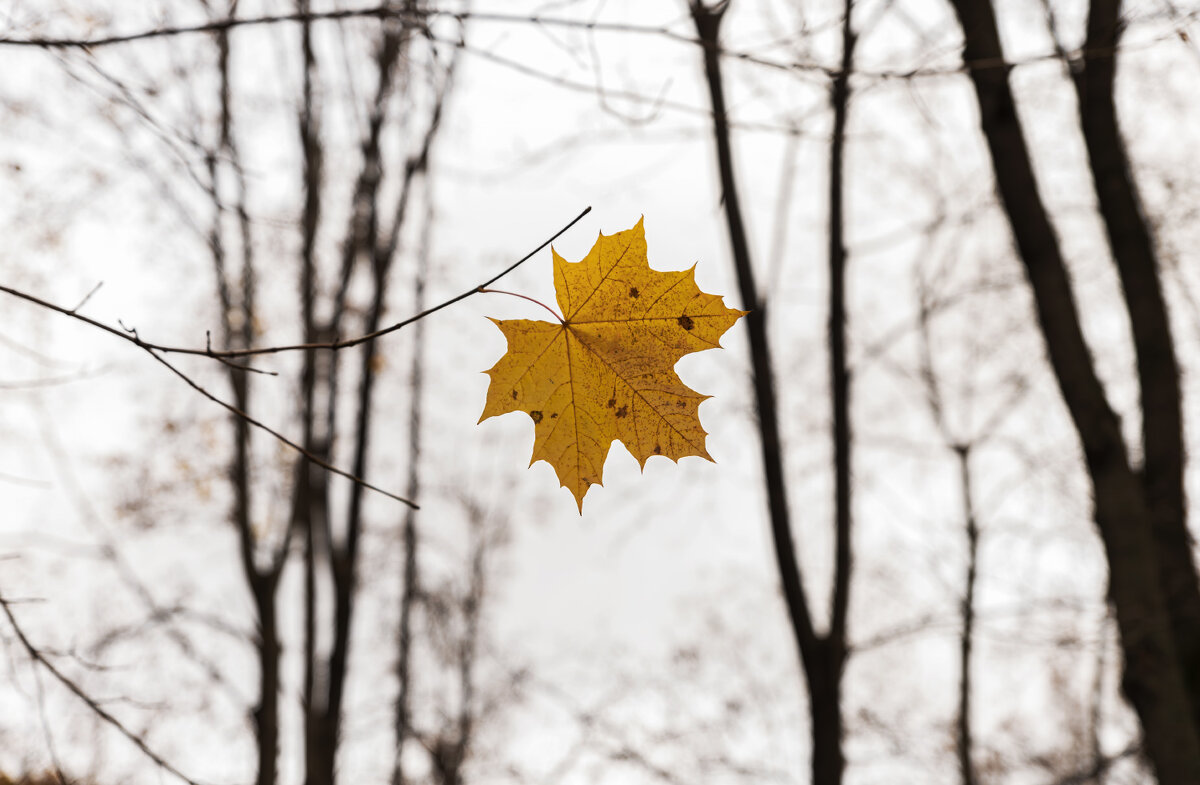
(158, 350)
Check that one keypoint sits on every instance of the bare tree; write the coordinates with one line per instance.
(371, 241)
(1139, 512)
(262, 562)
(822, 656)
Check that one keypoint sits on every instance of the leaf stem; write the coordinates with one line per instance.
(484, 290)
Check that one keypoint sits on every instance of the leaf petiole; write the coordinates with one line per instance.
(483, 290)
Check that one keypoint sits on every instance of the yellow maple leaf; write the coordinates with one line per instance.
(607, 370)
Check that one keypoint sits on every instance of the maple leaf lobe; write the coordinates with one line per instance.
(607, 372)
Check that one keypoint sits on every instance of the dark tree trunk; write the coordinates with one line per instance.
(368, 241)
(1136, 259)
(1153, 676)
(824, 677)
(708, 22)
(822, 658)
(261, 579)
(266, 714)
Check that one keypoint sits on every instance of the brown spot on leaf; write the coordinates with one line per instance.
(623, 411)
(680, 404)
(612, 402)
(514, 394)
(658, 449)
(633, 292)
(536, 415)
(686, 322)
(552, 416)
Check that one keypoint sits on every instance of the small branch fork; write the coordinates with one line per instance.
(158, 350)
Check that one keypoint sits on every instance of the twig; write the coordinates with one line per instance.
(88, 296)
(36, 655)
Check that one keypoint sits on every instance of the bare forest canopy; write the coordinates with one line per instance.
(255, 528)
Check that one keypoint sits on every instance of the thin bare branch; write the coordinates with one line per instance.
(132, 336)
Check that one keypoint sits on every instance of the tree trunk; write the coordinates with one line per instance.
(262, 581)
(266, 714)
(1136, 259)
(824, 676)
(822, 658)
(708, 23)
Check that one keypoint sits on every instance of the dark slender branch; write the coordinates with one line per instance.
(418, 16)
(130, 334)
(155, 351)
(133, 338)
(36, 655)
